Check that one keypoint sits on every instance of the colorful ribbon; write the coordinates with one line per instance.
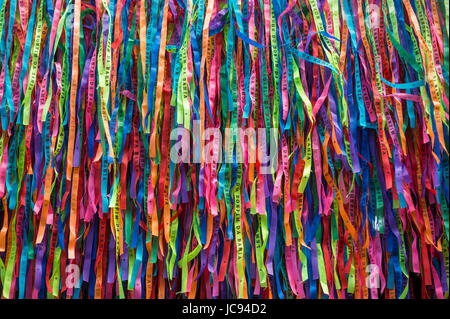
(110, 110)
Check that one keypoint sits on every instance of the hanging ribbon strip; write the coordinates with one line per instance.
(103, 196)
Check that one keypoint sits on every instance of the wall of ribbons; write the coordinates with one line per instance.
(352, 98)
